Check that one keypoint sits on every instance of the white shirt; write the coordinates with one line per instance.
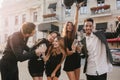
(97, 58)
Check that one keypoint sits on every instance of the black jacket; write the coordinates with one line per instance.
(16, 50)
(102, 36)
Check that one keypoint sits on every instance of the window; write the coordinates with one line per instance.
(35, 16)
(16, 20)
(118, 4)
(68, 11)
(80, 27)
(83, 9)
(101, 26)
(23, 18)
(52, 6)
(100, 2)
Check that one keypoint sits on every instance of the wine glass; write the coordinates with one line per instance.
(43, 48)
(74, 45)
(80, 45)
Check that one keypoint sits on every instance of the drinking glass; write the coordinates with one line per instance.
(74, 45)
(79, 46)
(43, 48)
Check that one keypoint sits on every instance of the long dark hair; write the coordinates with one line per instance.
(68, 38)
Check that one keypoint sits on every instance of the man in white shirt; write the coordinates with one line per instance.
(96, 51)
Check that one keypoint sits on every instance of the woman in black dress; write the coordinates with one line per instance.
(72, 63)
(54, 59)
(36, 66)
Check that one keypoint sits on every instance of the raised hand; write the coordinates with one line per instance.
(78, 5)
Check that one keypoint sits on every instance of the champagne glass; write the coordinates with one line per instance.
(43, 48)
(74, 45)
(79, 46)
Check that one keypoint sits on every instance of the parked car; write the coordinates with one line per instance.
(116, 56)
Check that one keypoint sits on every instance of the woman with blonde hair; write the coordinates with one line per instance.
(54, 59)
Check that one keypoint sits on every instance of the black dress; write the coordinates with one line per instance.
(35, 66)
(72, 62)
(52, 63)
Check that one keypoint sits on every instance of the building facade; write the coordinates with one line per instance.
(49, 15)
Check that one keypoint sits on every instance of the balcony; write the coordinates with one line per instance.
(50, 17)
(100, 11)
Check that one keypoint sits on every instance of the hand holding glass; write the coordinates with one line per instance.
(79, 47)
(74, 45)
(42, 48)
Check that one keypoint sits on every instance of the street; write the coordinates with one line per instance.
(24, 74)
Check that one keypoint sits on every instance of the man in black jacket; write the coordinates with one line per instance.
(98, 58)
(17, 50)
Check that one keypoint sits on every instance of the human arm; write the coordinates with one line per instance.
(18, 47)
(114, 34)
(46, 57)
(43, 40)
(76, 17)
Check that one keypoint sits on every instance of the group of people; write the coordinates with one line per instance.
(95, 50)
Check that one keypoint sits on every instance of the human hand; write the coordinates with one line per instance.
(78, 5)
(53, 74)
(78, 48)
(38, 52)
(73, 48)
(118, 17)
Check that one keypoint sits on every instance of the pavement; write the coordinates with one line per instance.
(24, 74)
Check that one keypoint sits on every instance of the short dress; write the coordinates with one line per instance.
(52, 63)
(36, 67)
(73, 61)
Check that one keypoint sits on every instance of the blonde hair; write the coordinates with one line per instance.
(61, 46)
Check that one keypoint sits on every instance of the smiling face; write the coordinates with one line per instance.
(69, 27)
(51, 37)
(56, 43)
(88, 26)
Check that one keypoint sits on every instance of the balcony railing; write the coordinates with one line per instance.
(100, 9)
(50, 17)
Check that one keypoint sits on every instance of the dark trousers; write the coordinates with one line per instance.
(97, 77)
(9, 74)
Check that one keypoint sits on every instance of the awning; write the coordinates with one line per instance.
(46, 27)
(52, 5)
(49, 15)
(114, 40)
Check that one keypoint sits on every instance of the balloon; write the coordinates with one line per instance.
(68, 3)
(79, 1)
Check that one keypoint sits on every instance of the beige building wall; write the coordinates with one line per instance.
(12, 8)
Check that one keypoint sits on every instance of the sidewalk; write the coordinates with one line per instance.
(24, 74)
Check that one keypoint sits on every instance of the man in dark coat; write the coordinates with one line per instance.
(17, 50)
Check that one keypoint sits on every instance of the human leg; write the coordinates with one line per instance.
(37, 78)
(77, 73)
(7, 74)
(71, 75)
